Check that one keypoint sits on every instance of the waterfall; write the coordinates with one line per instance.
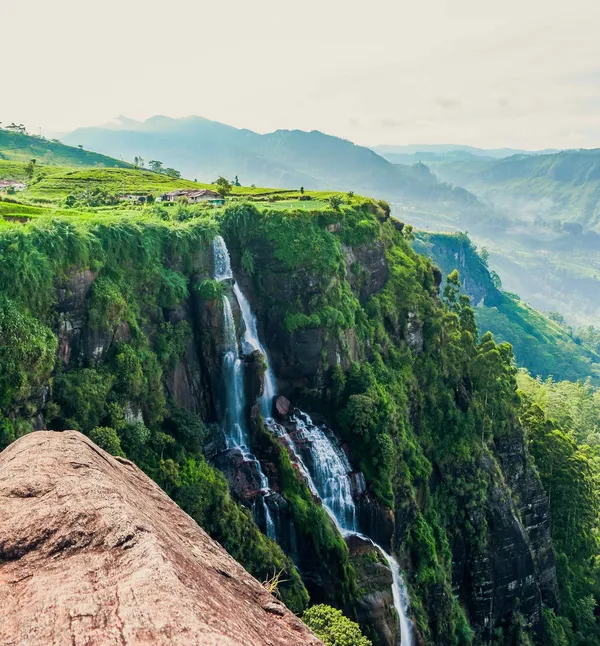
(323, 463)
(221, 260)
(251, 343)
(328, 478)
(233, 383)
(234, 425)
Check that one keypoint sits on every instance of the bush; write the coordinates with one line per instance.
(211, 290)
(106, 438)
(333, 628)
(27, 355)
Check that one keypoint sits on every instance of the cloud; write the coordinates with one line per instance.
(390, 123)
(447, 103)
(520, 74)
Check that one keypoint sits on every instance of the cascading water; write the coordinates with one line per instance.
(326, 466)
(328, 478)
(233, 382)
(251, 343)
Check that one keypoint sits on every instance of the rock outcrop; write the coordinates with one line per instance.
(93, 552)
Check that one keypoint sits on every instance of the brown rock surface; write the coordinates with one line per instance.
(93, 552)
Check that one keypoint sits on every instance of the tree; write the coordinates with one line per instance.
(452, 290)
(171, 172)
(333, 628)
(106, 438)
(155, 166)
(223, 186)
(236, 181)
(30, 168)
(20, 128)
(138, 162)
(484, 255)
(302, 190)
(335, 202)
(496, 281)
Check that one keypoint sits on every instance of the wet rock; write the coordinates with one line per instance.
(375, 520)
(282, 406)
(93, 552)
(498, 577)
(534, 512)
(254, 371)
(241, 473)
(414, 333)
(374, 609)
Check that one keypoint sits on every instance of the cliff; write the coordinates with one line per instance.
(117, 328)
(92, 551)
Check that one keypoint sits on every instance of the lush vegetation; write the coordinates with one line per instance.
(562, 420)
(420, 396)
(332, 628)
(543, 344)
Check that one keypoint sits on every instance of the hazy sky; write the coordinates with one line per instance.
(521, 73)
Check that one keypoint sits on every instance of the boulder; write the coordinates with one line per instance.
(93, 552)
(282, 406)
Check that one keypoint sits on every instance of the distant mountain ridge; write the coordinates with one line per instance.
(562, 186)
(388, 151)
(205, 149)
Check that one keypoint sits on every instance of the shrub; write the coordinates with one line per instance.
(106, 438)
(211, 290)
(27, 355)
(333, 628)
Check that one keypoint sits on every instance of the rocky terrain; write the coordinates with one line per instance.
(93, 552)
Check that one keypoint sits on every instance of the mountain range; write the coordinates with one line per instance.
(205, 149)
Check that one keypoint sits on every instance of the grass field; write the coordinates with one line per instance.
(19, 147)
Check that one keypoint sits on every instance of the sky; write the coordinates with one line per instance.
(517, 73)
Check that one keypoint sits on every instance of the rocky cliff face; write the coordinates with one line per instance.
(92, 551)
(498, 560)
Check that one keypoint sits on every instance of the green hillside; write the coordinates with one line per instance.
(543, 232)
(540, 344)
(57, 190)
(20, 147)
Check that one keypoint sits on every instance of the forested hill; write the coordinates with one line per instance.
(205, 149)
(147, 326)
(18, 146)
(560, 187)
(545, 346)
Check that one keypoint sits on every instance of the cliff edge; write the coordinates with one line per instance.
(93, 552)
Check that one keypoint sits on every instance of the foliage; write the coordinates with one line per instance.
(211, 290)
(542, 344)
(106, 438)
(27, 355)
(562, 421)
(333, 628)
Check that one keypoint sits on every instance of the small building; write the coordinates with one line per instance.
(6, 184)
(193, 196)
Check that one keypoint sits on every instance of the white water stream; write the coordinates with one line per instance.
(327, 471)
(233, 383)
